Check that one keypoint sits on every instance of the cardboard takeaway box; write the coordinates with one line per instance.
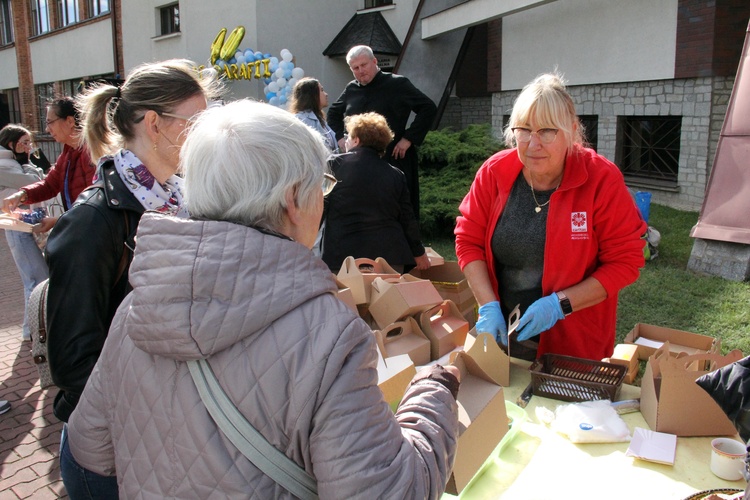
(649, 338)
(405, 337)
(345, 295)
(445, 327)
(394, 375)
(672, 402)
(358, 275)
(395, 298)
(451, 284)
(482, 418)
(627, 356)
(435, 258)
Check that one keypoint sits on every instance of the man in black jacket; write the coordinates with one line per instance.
(394, 97)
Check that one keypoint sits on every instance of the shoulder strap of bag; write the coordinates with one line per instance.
(124, 258)
(246, 438)
(43, 311)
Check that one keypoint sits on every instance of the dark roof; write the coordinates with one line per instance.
(369, 29)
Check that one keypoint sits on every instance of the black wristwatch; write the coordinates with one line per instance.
(564, 303)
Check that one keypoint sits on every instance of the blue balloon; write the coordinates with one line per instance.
(266, 56)
(274, 60)
(273, 67)
(266, 81)
(233, 60)
(288, 73)
(249, 54)
(270, 95)
(258, 56)
(282, 99)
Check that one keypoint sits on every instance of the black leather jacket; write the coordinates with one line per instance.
(84, 253)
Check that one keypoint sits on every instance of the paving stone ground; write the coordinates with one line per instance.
(29, 433)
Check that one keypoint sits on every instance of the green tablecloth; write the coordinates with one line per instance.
(538, 463)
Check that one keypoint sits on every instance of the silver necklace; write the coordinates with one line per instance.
(538, 207)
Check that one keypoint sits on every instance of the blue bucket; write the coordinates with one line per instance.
(643, 200)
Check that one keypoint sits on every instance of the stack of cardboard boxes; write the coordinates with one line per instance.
(416, 321)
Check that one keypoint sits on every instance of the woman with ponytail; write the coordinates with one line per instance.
(137, 131)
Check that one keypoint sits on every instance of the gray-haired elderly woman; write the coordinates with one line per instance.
(238, 285)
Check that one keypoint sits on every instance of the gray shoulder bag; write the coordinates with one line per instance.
(246, 438)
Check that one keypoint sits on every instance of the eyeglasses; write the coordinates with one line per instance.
(545, 135)
(50, 122)
(329, 182)
(189, 120)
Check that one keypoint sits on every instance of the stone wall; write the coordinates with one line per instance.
(465, 111)
(701, 102)
(720, 258)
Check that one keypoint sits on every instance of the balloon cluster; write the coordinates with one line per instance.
(283, 77)
(279, 77)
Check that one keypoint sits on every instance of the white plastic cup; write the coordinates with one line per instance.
(727, 458)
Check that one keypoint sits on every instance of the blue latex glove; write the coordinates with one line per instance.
(539, 317)
(492, 321)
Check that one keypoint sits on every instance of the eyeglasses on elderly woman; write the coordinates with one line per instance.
(329, 182)
(545, 135)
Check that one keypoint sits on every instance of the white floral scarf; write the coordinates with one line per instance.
(164, 198)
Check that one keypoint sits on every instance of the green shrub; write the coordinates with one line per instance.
(448, 162)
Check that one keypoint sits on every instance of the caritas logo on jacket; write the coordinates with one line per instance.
(579, 226)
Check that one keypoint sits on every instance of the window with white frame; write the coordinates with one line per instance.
(67, 12)
(96, 7)
(6, 22)
(39, 16)
(371, 4)
(170, 19)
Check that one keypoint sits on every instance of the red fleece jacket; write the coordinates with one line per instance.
(593, 229)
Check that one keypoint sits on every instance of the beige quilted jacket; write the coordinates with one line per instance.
(295, 360)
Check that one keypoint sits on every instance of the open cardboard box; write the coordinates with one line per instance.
(649, 338)
(395, 298)
(394, 375)
(445, 327)
(435, 258)
(627, 356)
(405, 337)
(483, 347)
(672, 402)
(482, 417)
(345, 295)
(358, 275)
(451, 284)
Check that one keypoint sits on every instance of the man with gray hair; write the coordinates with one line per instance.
(394, 97)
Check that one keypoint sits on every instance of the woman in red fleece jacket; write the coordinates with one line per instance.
(549, 225)
(73, 171)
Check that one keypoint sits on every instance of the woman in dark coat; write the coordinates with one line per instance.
(369, 213)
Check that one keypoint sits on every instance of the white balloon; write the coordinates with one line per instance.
(279, 73)
(273, 87)
(283, 53)
(287, 56)
(274, 101)
(298, 73)
(281, 82)
(291, 83)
